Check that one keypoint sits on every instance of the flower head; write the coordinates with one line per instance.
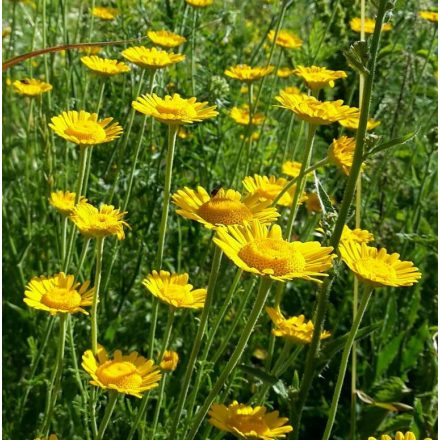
(174, 110)
(376, 267)
(429, 15)
(174, 290)
(241, 116)
(257, 249)
(399, 436)
(318, 77)
(313, 203)
(291, 90)
(369, 24)
(295, 329)
(246, 73)
(64, 201)
(341, 153)
(315, 112)
(99, 223)
(105, 13)
(51, 437)
(127, 374)
(268, 188)
(83, 128)
(58, 294)
(104, 66)
(246, 422)
(286, 39)
(151, 58)
(31, 87)
(291, 168)
(166, 38)
(285, 72)
(352, 123)
(200, 3)
(357, 235)
(225, 207)
(169, 361)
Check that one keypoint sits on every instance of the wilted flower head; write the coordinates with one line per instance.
(169, 361)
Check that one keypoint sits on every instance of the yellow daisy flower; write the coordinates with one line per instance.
(200, 3)
(151, 58)
(369, 24)
(174, 290)
(286, 39)
(58, 294)
(318, 77)
(291, 90)
(399, 436)
(376, 267)
(241, 116)
(246, 73)
(51, 437)
(341, 153)
(174, 110)
(31, 87)
(357, 235)
(169, 361)
(246, 422)
(429, 15)
(127, 374)
(64, 201)
(104, 13)
(295, 329)
(225, 207)
(268, 188)
(285, 72)
(91, 50)
(291, 168)
(352, 123)
(104, 66)
(257, 249)
(98, 223)
(166, 38)
(315, 112)
(84, 129)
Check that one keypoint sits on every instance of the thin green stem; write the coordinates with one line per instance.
(82, 257)
(97, 283)
(249, 129)
(113, 396)
(344, 360)
(255, 313)
(193, 53)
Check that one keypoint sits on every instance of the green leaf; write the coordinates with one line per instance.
(414, 347)
(357, 57)
(392, 143)
(391, 389)
(387, 355)
(324, 199)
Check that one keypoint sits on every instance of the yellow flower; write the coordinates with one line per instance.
(151, 58)
(284, 72)
(246, 422)
(268, 188)
(103, 66)
(291, 168)
(51, 437)
(105, 13)
(183, 133)
(295, 329)
(84, 129)
(429, 15)
(246, 73)
(241, 116)
(352, 123)
(91, 50)
(318, 77)
(341, 153)
(315, 112)
(58, 294)
(127, 374)
(6, 30)
(166, 38)
(376, 267)
(98, 223)
(357, 235)
(200, 3)
(31, 87)
(174, 110)
(257, 249)
(399, 436)
(169, 361)
(174, 290)
(369, 24)
(291, 90)
(286, 39)
(64, 201)
(225, 207)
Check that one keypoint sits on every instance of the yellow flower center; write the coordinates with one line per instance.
(247, 423)
(61, 299)
(86, 131)
(373, 269)
(176, 292)
(269, 253)
(180, 110)
(122, 374)
(220, 211)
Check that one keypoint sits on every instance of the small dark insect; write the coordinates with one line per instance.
(24, 81)
(215, 190)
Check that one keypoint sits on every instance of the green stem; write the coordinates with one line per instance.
(344, 360)
(289, 133)
(108, 413)
(193, 53)
(96, 285)
(82, 256)
(249, 129)
(216, 261)
(257, 308)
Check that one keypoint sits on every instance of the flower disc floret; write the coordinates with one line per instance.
(104, 66)
(151, 58)
(286, 39)
(84, 129)
(166, 38)
(246, 73)
(31, 87)
(318, 77)
(127, 374)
